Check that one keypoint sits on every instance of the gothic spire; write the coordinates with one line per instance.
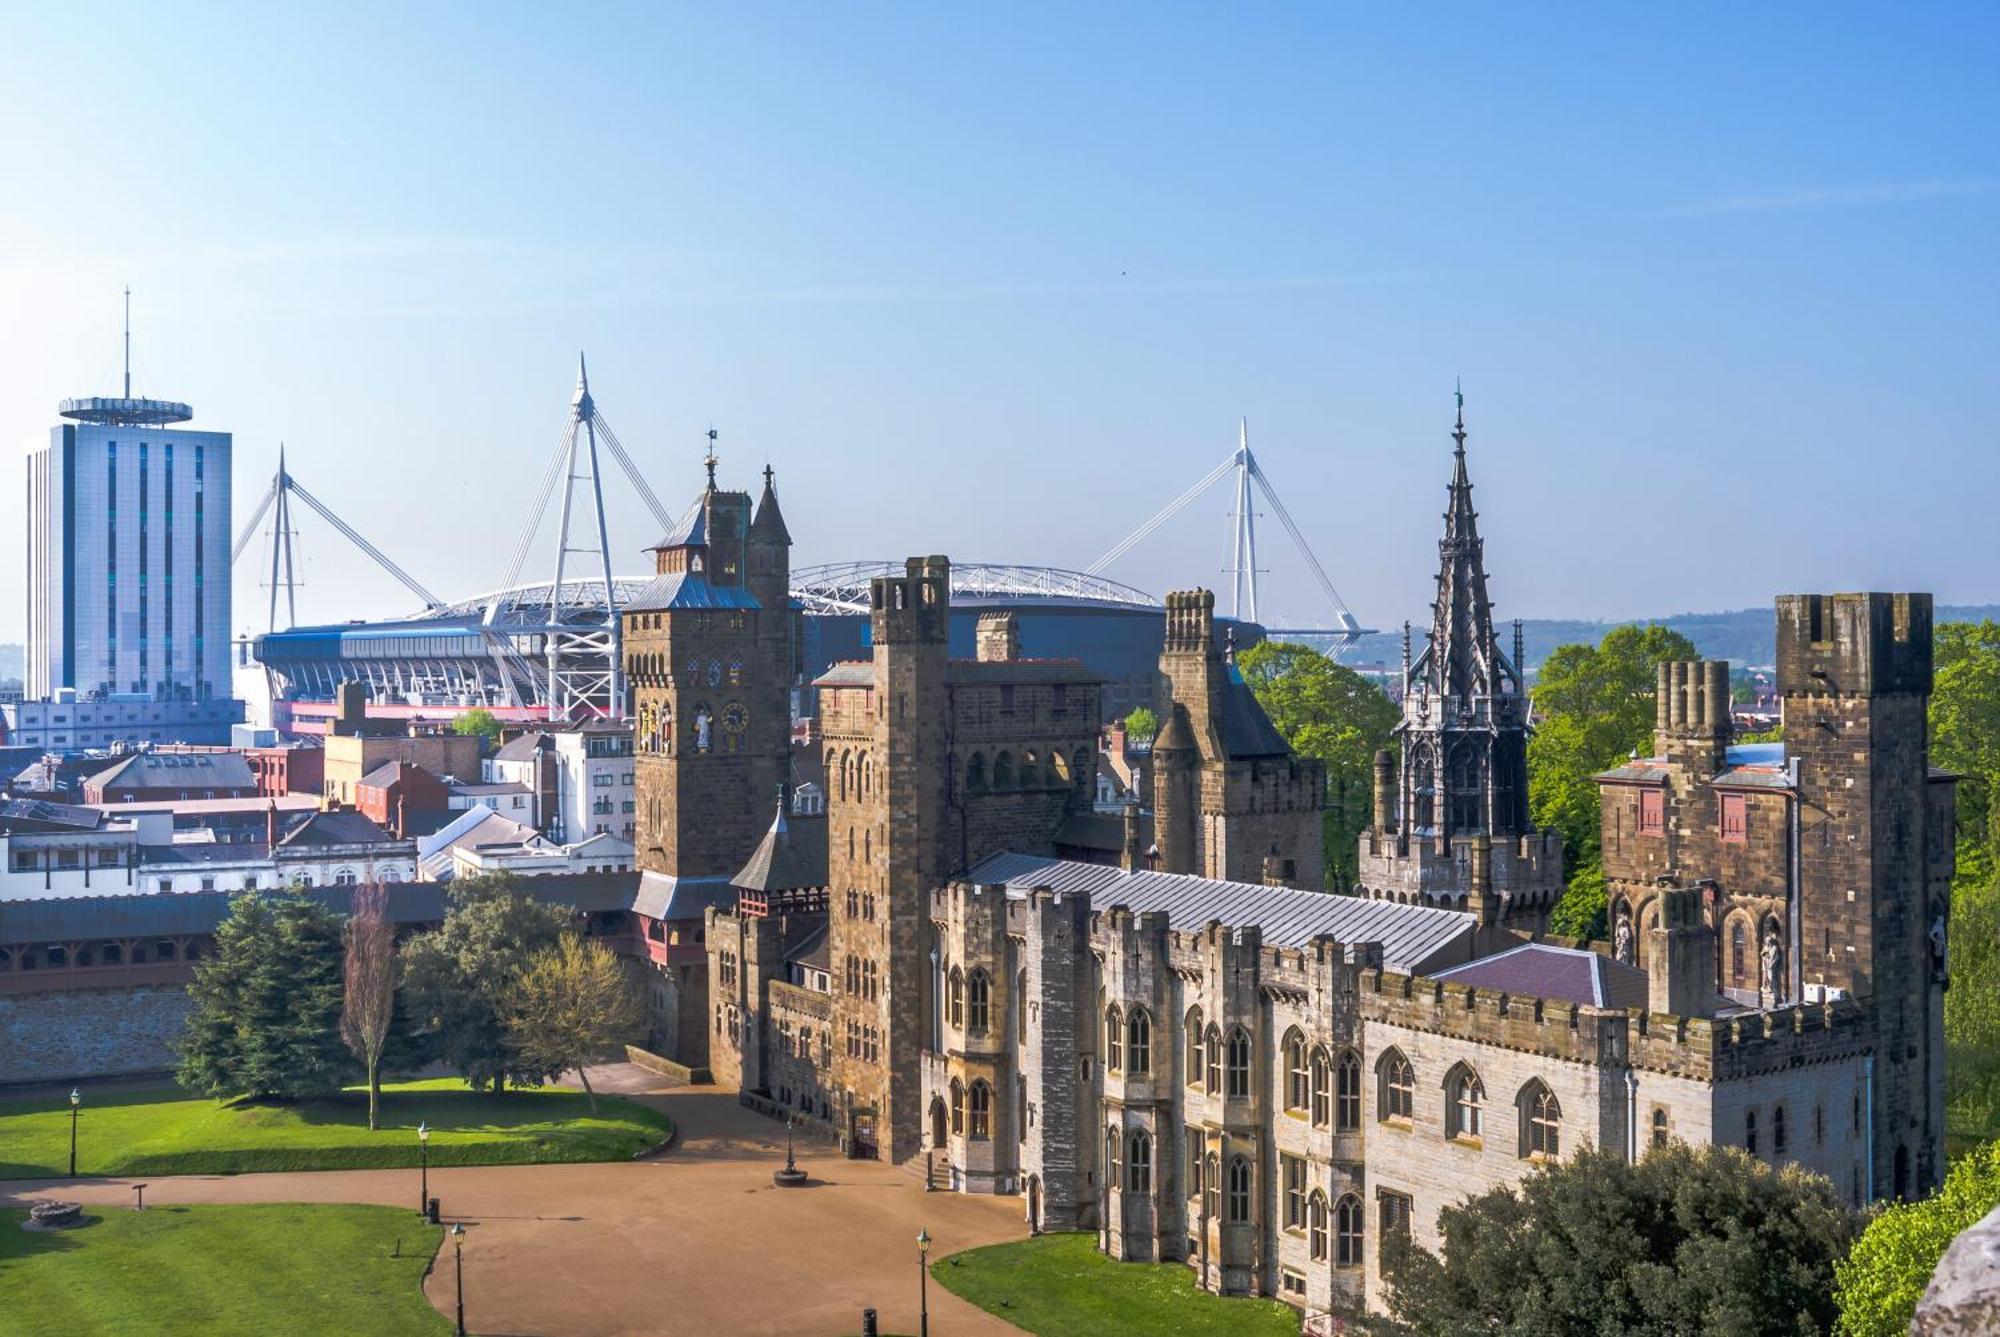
(1462, 652)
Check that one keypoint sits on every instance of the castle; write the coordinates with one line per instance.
(1201, 1055)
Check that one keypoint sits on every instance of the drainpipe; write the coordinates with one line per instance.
(937, 1003)
(1631, 1117)
(1868, 1129)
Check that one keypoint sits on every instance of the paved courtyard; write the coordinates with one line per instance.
(695, 1241)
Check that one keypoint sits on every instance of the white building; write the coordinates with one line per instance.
(128, 548)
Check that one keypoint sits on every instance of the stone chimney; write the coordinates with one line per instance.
(1691, 719)
(1385, 791)
(1680, 956)
(1480, 900)
(271, 825)
(998, 638)
(1132, 857)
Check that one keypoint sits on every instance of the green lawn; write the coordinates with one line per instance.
(221, 1270)
(1061, 1286)
(168, 1133)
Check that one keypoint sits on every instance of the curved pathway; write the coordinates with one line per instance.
(694, 1241)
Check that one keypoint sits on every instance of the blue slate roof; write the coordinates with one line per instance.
(690, 530)
(689, 589)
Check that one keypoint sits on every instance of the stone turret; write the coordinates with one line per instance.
(998, 638)
(1176, 792)
(1691, 719)
(1680, 956)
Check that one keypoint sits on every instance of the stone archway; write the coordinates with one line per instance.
(938, 1128)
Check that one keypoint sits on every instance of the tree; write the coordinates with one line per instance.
(1593, 708)
(1707, 1240)
(368, 1011)
(1965, 737)
(1333, 715)
(458, 977)
(572, 1005)
(1141, 725)
(1880, 1282)
(264, 1007)
(480, 721)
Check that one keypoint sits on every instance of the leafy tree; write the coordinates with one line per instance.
(458, 978)
(1331, 714)
(1965, 737)
(1141, 725)
(368, 1012)
(1708, 1240)
(571, 1006)
(480, 721)
(1881, 1281)
(1593, 708)
(265, 1005)
(1965, 717)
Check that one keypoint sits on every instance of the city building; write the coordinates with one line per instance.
(128, 552)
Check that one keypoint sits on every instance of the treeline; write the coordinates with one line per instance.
(297, 1001)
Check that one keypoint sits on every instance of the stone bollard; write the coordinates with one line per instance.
(1963, 1299)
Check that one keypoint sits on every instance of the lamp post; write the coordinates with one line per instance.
(75, 1100)
(923, 1283)
(458, 1269)
(424, 1180)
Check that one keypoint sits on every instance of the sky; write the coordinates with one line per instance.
(1001, 281)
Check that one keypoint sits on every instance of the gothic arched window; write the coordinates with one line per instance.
(1195, 1062)
(1347, 1103)
(1541, 1121)
(1139, 1162)
(1239, 1189)
(1114, 1039)
(1316, 1225)
(1347, 1223)
(978, 1000)
(1465, 1103)
(1139, 1043)
(1296, 1089)
(954, 998)
(982, 1111)
(1239, 1063)
(1397, 1082)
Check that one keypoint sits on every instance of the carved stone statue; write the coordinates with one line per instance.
(701, 730)
(1772, 951)
(1621, 936)
(1940, 949)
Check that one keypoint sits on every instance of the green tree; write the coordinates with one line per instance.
(1965, 737)
(1593, 709)
(1880, 1282)
(1688, 1240)
(459, 977)
(572, 1006)
(1331, 714)
(1141, 725)
(480, 721)
(264, 1006)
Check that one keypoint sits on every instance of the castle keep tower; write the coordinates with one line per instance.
(1230, 800)
(710, 649)
(1464, 753)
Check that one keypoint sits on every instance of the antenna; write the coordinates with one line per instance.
(128, 341)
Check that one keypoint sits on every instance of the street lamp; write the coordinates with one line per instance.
(923, 1283)
(75, 1099)
(424, 1182)
(458, 1269)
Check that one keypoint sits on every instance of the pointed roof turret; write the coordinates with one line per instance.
(1462, 659)
(769, 524)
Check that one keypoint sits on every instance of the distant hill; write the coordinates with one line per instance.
(1746, 637)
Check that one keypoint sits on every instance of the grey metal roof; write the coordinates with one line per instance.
(1543, 970)
(848, 673)
(176, 770)
(1413, 937)
(790, 857)
(525, 748)
(687, 589)
(691, 528)
(660, 896)
(33, 814)
(1246, 730)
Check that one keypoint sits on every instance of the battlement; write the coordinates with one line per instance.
(1713, 1050)
(1854, 644)
(913, 606)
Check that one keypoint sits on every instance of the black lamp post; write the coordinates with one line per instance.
(458, 1269)
(424, 1180)
(75, 1100)
(923, 1283)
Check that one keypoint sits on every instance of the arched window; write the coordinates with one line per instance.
(1003, 771)
(978, 1001)
(1659, 1128)
(1778, 1138)
(1541, 1121)
(1212, 1079)
(1139, 1162)
(957, 1106)
(1239, 1189)
(1195, 1060)
(1347, 1223)
(954, 997)
(1316, 1225)
(982, 1111)
(1347, 1092)
(975, 773)
(1114, 1039)
(1297, 1092)
(1750, 1131)
(1020, 1005)
(1139, 1043)
(1322, 1088)
(1239, 1063)
(1397, 1087)
(1030, 775)
(1739, 955)
(1465, 1103)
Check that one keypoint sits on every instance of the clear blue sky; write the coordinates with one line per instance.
(999, 281)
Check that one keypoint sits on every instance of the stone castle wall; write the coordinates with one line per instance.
(57, 1037)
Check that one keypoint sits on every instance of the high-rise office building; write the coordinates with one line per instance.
(128, 561)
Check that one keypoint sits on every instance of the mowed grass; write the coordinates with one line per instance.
(171, 1133)
(284, 1268)
(1061, 1286)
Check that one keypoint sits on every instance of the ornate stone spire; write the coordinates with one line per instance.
(1461, 660)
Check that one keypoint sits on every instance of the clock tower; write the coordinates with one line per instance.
(711, 649)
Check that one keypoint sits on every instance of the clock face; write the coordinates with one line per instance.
(735, 719)
(715, 673)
